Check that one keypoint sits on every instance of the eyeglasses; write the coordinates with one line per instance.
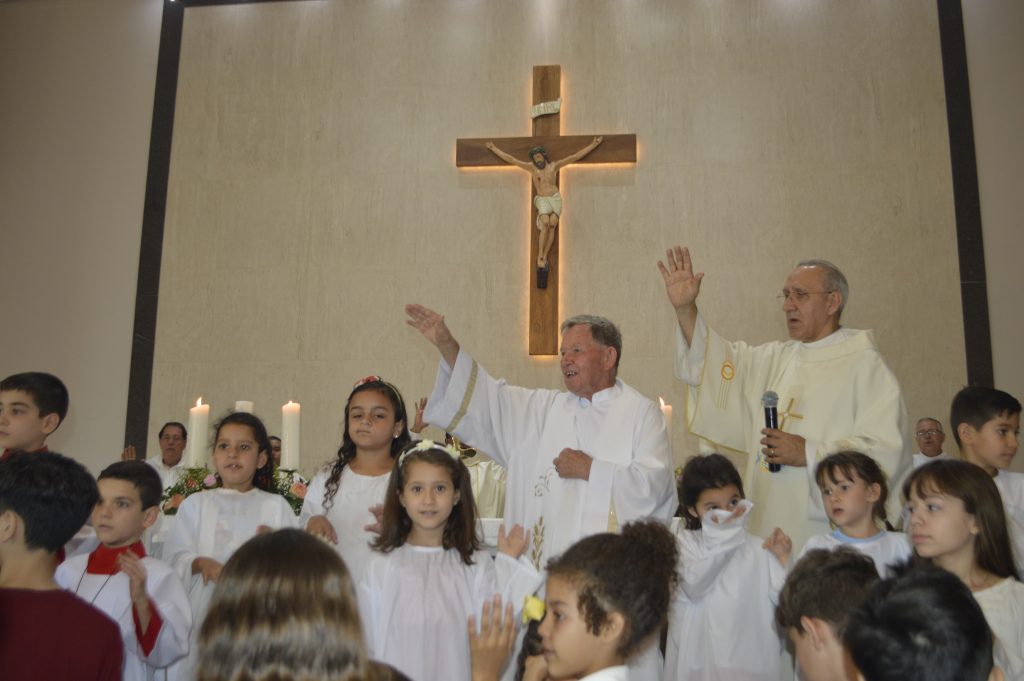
(930, 432)
(800, 296)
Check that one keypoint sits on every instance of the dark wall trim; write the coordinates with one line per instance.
(147, 288)
(966, 195)
(977, 338)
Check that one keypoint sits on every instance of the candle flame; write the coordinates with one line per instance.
(662, 402)
(289, 403)
(199, 402)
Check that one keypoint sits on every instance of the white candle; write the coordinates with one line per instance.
(290, 435)
(198, 425)
(666, 409)
(244, 405)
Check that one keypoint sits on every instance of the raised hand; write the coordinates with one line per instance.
(681, 284)
(418, 423)
(781, 546)
(128, 454)
(431, 325)
(514, 543)
(490, 647)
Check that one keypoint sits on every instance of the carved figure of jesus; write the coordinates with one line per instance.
(548, 199)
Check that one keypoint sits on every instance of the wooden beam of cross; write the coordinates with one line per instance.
(469, 153)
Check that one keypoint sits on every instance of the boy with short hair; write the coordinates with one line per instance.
(143, 595)
(923, 625)
(986, 423)
(814, 604)
(45, 632)
(32, 405)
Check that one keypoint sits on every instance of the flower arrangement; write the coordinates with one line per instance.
(288, 483)
(192, 480)
(292, 486)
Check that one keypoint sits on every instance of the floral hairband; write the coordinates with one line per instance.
(372, 378)
(426, 446)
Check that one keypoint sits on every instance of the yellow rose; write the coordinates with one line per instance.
(533, 609)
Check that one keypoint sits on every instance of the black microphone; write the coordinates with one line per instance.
(770, 400)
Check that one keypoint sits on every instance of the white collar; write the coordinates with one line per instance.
(834, 338)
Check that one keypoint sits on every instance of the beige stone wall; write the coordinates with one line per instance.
(76, 83)
(313, 189)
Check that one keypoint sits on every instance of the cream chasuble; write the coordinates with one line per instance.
(524, 430)
(837, 393)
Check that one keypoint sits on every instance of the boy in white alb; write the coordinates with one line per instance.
(986, 425)
(142, 595)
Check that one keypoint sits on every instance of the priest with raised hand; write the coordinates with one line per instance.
(580, 461)
(835, 393)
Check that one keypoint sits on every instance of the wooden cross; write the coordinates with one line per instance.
(547, 87)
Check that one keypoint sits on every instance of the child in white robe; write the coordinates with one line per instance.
(340, 497)
(956, 520)
(854, 492)
(430, 574)
(212, 524)
(143, 595)
(606, 598)
(721, 624)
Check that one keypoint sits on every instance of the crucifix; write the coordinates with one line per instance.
(545, 212)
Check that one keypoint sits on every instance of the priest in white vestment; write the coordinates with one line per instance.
(835, 393)
(579, 462)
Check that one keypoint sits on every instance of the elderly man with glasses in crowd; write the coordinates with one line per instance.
(835, 393)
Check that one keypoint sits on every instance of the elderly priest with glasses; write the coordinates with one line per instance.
(833, 391)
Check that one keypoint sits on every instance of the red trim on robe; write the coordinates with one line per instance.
(103, 561)
(148, 639)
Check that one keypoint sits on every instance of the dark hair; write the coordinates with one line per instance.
(459, 530)
(52, 494)
(921, 625)
(538, 150)
(284, 608)
(604, 569)
(978, 405)
(264, 478)
(347, 451)
(47, 391)
(981, 498)
(532, 646)
(176, 424)
(602, 330)
(712, 471)
(143, 476)
(856, 464)
(826, 585)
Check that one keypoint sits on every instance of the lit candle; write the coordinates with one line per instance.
(290, 435)
(666, 410)
(244, 405)
(198, 425)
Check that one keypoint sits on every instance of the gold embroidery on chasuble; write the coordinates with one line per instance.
(470, 387)
(537, 548)
(728, 372)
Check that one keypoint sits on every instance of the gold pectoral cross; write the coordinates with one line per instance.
(789, 412)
